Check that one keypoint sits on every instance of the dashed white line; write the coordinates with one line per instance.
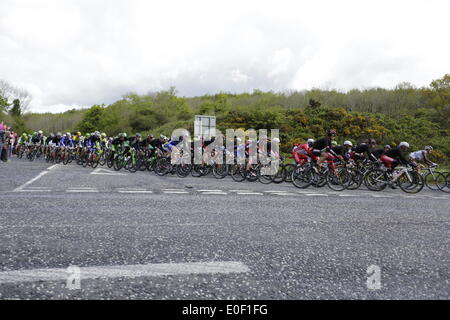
(213, 192)
(135, 191)
(81, 190)
(175, 192)
(250, 193)
(317, 194)
(127, 271)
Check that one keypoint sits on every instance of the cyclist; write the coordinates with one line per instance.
(37, 138)
(363, 151)
(394, 156)
(323, 147)
(422, 156)
(303, 152)
(377, 153)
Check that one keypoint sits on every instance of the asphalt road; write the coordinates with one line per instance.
(285, 243)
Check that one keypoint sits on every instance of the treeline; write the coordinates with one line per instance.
(405, 113)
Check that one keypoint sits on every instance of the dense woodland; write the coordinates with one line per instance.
(404, 113)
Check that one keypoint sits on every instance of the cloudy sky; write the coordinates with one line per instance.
(74, 53)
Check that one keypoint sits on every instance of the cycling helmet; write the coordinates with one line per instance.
(40, 132)
(59, 134)
(52, 134)
(68, 134)
(34, 133)
(310, 141)
(387, 146)
(334, 143)
(138, 135)
(124, 134)
(103, 135)
(428, 148)
(371, 141)
(161, 136)
(238, 140)
(78, 133)
(403, 144)
(24, 134)
(276, 140)
(331, 132)
(150, 136)
(348, 143)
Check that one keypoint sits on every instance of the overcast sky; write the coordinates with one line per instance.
(73, 53)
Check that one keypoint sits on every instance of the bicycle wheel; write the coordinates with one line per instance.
(102, 160)
(94, 162)
(289, 168)
(338, 180)
(66, 158)
(301, 178)
(183, 170)
(280, 176)
(447, 182)
(118, 163)
(411, 182)
(238, 172)
(110, 160)
(356, 179)
(220, 171)
(163, 167)
(265, 178)
(376, 180)
(435, 180)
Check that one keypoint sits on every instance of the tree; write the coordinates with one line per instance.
(93, 119)
(11, 93)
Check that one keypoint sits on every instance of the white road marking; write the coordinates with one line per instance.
(250, 193)
(135, 191)
(317, 194)
(53, 166)
(275, 191)
(213, 192)
(126, 271)
(209, 190)
(172, 189)
(107, 172)
(18, 189)
(380, 196)
(35, 190)
(348, 195)
(284, 194)
(175, 192)
(240, 190)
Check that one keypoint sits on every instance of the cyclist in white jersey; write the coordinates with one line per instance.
(422, 156)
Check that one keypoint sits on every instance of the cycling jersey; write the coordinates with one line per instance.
(418, 155)
(396, 154)
(47, 141)
(321, 144)
(377, 153)
(55, 141)
(37, 139)
(92, 142)
(66, 142)
(364, 148)
(156, 144)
